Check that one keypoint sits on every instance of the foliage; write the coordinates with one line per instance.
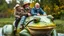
(6, 10)
(3, 6)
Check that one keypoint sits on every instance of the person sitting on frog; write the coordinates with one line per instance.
(37, 10)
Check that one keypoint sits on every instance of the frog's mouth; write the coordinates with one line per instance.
(41, 26)
(40, 30)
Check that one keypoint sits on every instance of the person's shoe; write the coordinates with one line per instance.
(14, 32)
(14, 28)
(21, 27)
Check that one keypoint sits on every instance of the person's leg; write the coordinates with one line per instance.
(16, 22)
(22, 21)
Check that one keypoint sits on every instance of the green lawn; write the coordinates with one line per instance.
(4, 21)
(59, 23)
(60, 26)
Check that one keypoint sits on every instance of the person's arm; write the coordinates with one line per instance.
(43, 13)
(16, 15)
(33, 12)
(24, 13)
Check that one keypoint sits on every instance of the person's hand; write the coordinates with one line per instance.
(29, 14)
(18, 16)
(38, 14)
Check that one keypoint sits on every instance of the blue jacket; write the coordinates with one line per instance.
(35, 11)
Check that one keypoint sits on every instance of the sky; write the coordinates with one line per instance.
(8, 1)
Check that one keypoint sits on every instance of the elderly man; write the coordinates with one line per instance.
(26, 7)
(37, 10)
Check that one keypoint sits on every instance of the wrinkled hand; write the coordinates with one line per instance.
(29, 14)
(38, 14)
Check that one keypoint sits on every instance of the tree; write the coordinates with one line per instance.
(3, 6)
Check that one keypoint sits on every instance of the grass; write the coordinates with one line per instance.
(4, 21)
(59, 23)
(59, 26)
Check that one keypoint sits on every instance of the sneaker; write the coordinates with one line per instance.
(14, 28)
(21, 27)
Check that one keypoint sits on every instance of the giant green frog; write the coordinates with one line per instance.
(38, 26)
(33, 26)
